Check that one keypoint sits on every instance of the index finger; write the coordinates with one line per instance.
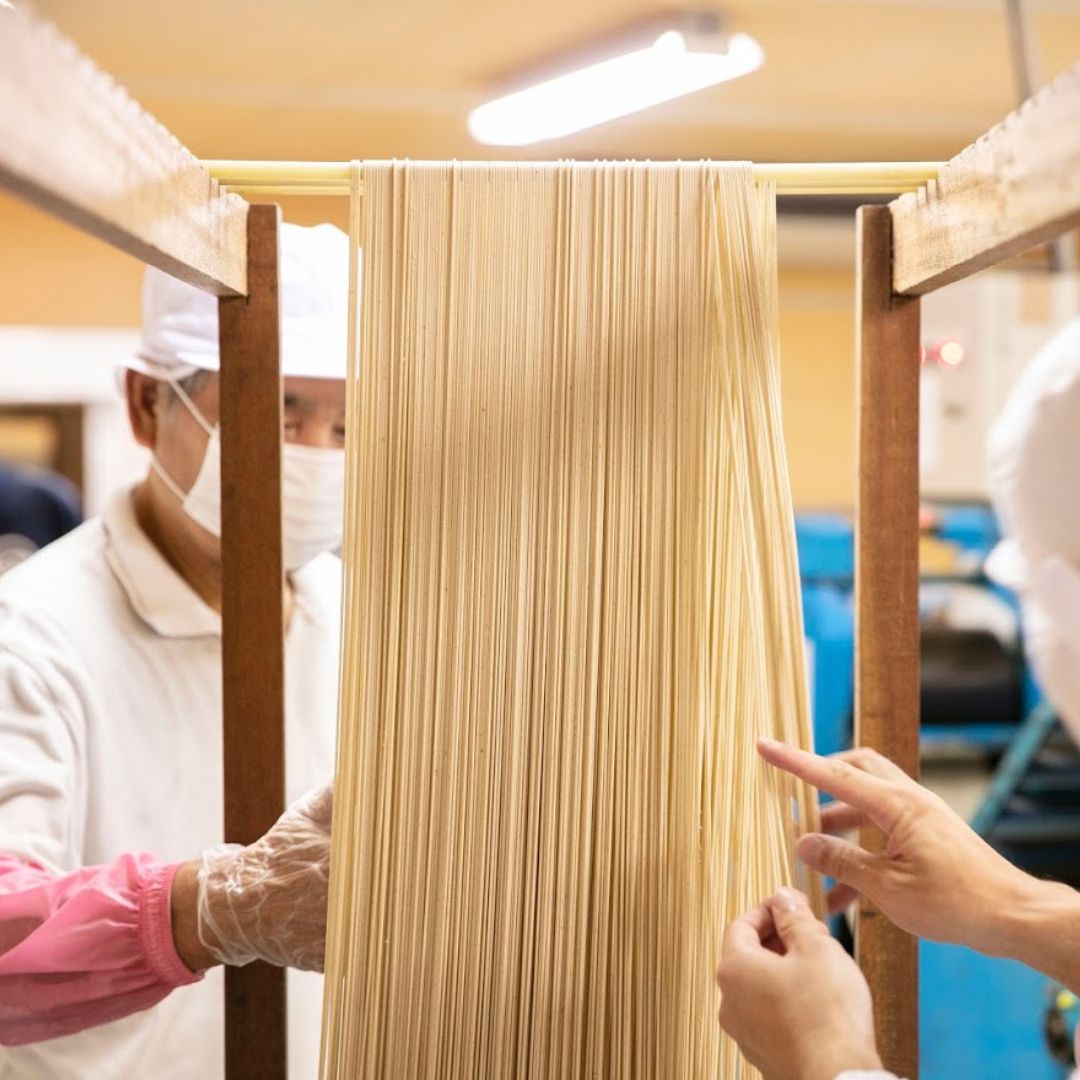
(876, 764)
(881, 800)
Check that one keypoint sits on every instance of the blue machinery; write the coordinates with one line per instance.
(979, 1017)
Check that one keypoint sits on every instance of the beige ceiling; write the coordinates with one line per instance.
(327, 79)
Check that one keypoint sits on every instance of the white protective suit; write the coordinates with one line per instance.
(1034, 463)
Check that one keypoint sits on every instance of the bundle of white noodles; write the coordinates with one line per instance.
(571, 608)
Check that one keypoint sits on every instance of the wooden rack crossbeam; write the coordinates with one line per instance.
(74, 143)
(1017, 186)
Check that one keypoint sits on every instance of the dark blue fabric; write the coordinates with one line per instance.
(36, 504)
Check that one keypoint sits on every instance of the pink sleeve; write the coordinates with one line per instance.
(84, 948)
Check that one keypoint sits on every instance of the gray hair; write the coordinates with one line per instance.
(190, 384)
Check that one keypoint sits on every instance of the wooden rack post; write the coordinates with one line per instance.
(887, 597)
(253, 643)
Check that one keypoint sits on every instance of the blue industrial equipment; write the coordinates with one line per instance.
(827, 566)
(1010, 772)
(981, 1016)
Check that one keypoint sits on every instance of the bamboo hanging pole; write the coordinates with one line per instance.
(829, 178)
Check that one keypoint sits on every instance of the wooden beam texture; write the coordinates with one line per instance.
(887, 598)
(75, 144)
(253, 638)
(1017, 186)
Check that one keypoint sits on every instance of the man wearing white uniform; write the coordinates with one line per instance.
(113, 896)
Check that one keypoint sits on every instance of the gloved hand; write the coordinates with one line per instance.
(267, 901)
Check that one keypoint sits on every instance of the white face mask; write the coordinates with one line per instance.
(312, 501)
(312, 493)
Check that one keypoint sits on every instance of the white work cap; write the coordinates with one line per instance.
(180, 322)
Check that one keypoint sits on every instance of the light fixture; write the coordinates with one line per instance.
(675, 62)
(951, 353)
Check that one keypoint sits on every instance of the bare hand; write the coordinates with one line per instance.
(934, 877)
(793, 1000)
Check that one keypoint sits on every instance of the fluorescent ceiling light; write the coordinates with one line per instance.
(669, 68)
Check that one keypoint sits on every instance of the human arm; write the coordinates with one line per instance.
(79, 945)
(83, 945)
(84, 948)
(792, 998)
(934, 877)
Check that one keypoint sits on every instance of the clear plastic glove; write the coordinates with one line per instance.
(267, 901)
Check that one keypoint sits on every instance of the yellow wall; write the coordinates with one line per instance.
(53, 274)
(50, 273)
(817, 344)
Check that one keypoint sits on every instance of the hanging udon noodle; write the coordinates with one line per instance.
(571, 608)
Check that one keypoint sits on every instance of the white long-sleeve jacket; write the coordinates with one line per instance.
(110, 742)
